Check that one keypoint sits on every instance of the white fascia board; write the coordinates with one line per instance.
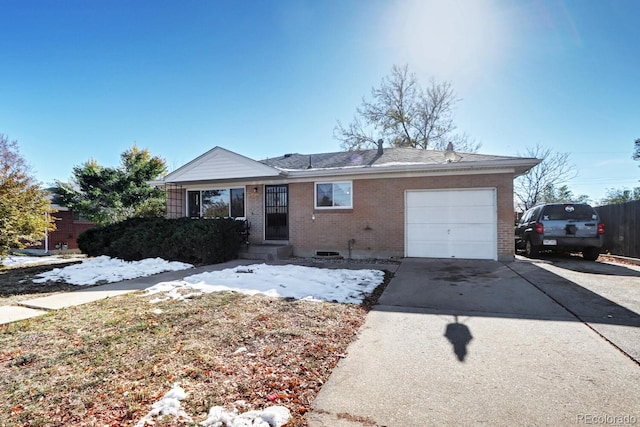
(231, 183)
(517, 167)
(156, 183)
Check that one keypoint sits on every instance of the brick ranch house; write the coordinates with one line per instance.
(64, 238)
(391, 202)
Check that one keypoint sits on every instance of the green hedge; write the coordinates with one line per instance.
(196, 241)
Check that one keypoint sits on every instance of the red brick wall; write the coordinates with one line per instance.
(376, 221)
(67, 232)
(254, 211)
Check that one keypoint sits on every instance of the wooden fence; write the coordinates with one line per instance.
(622, 228)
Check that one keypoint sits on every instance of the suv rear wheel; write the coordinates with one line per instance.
(591, 254)
(531, 250)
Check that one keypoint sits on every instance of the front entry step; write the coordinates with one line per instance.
(266, 252)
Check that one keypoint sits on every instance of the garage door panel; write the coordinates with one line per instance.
(470, 233)
(458, 198)
(472, 215)
(440, 249)
(429, 232)
(451, 224)
(478, 216)
(422, 250)
(470, 251)
(440, 233)
(432, 215)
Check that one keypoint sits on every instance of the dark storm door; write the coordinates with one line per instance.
(193, 204)
(276, 212)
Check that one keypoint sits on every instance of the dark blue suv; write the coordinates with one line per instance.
(558, 227)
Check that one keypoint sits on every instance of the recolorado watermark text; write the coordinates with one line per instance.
(602, 419)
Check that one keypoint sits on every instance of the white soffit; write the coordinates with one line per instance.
(220, 164)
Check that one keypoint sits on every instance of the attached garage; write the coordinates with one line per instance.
(459, 223)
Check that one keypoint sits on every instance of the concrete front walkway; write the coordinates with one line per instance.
(458, 342)
(38, 306)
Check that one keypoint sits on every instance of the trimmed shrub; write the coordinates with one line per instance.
(196, 241)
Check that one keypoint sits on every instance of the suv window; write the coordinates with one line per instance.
(573, 212)
(535, 214)
(530, 215)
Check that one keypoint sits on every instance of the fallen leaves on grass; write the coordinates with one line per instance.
(108, 362)
(16, 284)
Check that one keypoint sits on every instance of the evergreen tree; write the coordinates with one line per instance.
(107, 195)
(620, 195)
(25, 211)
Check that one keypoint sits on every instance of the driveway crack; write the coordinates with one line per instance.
(574, 314)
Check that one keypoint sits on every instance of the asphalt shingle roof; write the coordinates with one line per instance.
(390, 156)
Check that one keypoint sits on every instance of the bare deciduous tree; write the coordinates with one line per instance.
(405, 115)
(552, 172)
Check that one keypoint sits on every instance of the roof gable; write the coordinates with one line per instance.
(220, 164)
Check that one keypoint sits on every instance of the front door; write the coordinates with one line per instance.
(193, 204)
(276, 212)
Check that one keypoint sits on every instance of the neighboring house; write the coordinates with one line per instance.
(396, 202)
(64, 237)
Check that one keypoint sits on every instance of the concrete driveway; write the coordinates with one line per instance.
(459, 342)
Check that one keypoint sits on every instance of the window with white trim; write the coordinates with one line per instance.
(216, 203)
(333, 195)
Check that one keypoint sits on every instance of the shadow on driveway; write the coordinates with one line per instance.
(603, 296)
(459, 336)
(472, 342)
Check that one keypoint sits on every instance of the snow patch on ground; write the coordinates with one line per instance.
(169, 405)
(273, 416)
(21, 261)
(286, 281)
(105, 269)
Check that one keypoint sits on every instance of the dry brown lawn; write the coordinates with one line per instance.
(16, 283)
(107, 362)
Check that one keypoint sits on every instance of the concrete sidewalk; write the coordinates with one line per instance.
(456, 342)
(38, 306)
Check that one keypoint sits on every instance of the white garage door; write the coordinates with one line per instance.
(451, 224)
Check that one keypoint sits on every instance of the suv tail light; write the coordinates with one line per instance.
(539, 228)
(601, 228)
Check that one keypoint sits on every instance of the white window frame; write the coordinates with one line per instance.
(333, 183)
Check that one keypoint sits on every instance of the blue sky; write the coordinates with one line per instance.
(88, 79)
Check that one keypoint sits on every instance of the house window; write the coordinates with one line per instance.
(333, 195)
(237, 202)
(218, 203)
(215, 203)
